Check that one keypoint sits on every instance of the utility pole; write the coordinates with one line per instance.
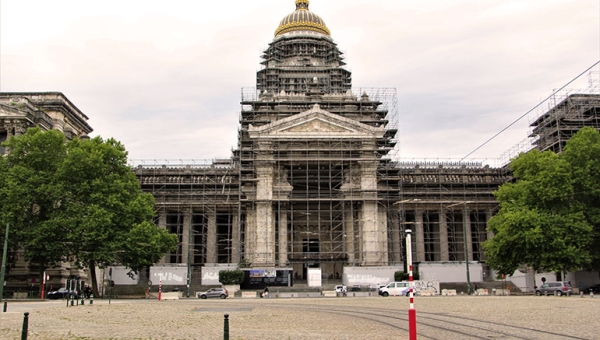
(466, 248)
(189, 272)
(466, 243)
(3, 269)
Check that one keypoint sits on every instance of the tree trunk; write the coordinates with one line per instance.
(93, 279)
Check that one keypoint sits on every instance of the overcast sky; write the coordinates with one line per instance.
(164, 78)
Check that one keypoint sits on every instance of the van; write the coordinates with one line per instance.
(559, 288)
(396, 289)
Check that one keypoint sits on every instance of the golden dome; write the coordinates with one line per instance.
(302, 20)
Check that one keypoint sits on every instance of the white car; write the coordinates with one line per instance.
(339, 288)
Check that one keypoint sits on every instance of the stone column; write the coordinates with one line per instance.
(185, 237)
(250, 235)
(283, 237)
(444, 236)
(468, 236)
(211, 237)
(235, 238)
(349, 234)
(382, 236)
(488, 216)
(162, 223)
(370, 225)
(265, 221)
(395, 237)
(420, 236)
(369, 232)
(162, 219)
(9, 131)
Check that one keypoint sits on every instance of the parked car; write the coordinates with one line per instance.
(214, 293)
(559, 288)
(594, 288)
(62, 293)
(339, 288)
(395, 288)
(355, 289)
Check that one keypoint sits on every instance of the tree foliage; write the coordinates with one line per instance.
(78, 201)
(549, 216)
(404, 276)
(231, 277)
(31, 196)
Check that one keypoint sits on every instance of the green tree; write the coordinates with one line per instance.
(583, 153)
(107, 211)
(231, 277)
(31, 196)
(77, 201)
(144, 245)
(541, 223)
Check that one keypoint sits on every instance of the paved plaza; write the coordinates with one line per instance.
(451, 317)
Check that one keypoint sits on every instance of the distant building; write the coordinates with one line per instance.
(20, 111)
(48, 110)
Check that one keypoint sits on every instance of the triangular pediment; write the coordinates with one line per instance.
(315, 123)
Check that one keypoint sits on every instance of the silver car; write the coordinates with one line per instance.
(551, 288)
(214, 293)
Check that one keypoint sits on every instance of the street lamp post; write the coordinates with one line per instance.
(3, 269)
(189, 272)
(466, 243)
(466, 248)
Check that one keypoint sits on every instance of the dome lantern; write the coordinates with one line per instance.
(302, 20)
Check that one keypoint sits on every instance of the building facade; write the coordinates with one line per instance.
(314, 182)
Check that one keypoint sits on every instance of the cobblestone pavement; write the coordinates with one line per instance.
(457, 317)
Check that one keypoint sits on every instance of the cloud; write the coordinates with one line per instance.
(165, 79)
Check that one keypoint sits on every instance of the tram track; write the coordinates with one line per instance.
(436, 326)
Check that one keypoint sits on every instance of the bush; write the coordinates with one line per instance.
(403, 276)
(231, 277)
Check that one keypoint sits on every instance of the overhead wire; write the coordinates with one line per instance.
(528, 112)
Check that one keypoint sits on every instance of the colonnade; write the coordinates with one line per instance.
(211, 239)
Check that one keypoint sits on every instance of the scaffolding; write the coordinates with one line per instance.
(449, 204)
(315, 180)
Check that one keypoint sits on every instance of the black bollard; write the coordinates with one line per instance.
(226, 328)
(5, 302)
(25, 326)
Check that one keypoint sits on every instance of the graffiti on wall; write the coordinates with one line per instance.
(427, 285)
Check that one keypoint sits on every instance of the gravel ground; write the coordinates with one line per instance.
(458, 317)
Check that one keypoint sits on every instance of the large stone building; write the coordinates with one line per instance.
(313, 182)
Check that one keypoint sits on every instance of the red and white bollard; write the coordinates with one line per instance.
(412, 313)
(159, 289)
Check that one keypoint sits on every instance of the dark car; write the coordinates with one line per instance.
(214, 293)
(62, 293)
(594, 288)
